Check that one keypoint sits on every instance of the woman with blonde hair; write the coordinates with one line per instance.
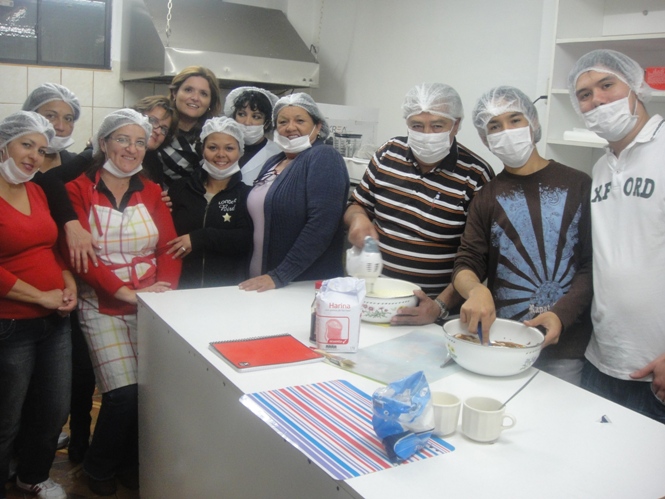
(195, 99)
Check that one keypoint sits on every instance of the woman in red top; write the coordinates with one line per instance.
(36, 294)
(130, 226)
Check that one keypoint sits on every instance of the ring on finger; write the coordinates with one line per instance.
(182, 248)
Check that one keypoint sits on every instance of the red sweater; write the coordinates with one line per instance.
(101, 278)
(27, 253)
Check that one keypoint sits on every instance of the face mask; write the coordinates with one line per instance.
(219, 174)
(611, 121)
(429, 148)
(58, 144)
(13, 174)
(117, 172)
(512, 146)
(294, 146)
(252, 133)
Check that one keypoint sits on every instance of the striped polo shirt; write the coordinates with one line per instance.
(420, 217)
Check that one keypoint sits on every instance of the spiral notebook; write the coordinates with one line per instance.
(263, 352)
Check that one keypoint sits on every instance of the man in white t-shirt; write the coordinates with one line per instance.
(626, 355)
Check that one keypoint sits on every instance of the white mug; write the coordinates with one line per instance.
(483, 421)
(446, 413)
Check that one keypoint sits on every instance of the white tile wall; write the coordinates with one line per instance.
(99, 92)
(14, 84)
(83, 130)
(79, 81)
(7, 109)
(39, 75)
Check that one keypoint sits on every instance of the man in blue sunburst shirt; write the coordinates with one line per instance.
(529, 234)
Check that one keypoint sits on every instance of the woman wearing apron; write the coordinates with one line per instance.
(252, 108)
(130, 226)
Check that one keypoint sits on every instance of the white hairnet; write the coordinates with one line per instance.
(229, 103)
(307, 103)
(612, 62)
(433, 98)
(22, 123)
(223, 124)
(118, 119)
(49, 92)
(502, 100)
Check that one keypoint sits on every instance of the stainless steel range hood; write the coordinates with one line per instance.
(239, 43)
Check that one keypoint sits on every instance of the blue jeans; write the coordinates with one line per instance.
(635, 395)
(115, 441)
(35, 383)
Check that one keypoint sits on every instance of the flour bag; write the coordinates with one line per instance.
(338, 307)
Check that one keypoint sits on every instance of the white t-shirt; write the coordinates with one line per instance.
(628, 231)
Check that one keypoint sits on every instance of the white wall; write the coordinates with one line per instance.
(373, 51)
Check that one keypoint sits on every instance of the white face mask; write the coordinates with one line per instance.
(117, 172)
(293, 146)
(512, 146)
(611, 121)
(219, 174)
(252, 133)
(58, 144)
(429, 148)
(13, 174)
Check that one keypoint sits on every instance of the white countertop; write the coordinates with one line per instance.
(558, 447)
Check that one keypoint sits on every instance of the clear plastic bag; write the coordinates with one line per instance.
(403, 416)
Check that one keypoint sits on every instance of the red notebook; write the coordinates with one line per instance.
(250, 354)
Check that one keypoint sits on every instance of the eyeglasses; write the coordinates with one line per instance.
(265, 178)
(155, 126)
(125, 142)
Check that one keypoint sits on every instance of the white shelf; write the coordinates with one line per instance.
(635, 28)
(623, 39)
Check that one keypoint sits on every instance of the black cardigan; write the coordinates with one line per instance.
(220, 231)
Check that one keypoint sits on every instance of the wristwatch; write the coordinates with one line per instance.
(443, 309)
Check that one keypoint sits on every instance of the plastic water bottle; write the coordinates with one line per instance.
(312, 324)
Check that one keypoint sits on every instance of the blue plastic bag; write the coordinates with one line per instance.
(403, 417)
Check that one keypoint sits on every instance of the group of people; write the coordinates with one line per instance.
(168, 195)
(543, 243)
(172, 195)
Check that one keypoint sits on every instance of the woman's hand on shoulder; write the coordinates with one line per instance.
(166, 199)
(79, 242)
(261, 283)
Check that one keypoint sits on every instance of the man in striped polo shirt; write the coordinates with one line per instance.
(414, 199)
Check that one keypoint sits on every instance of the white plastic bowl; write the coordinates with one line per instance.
(387, 297)
(495, 360)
